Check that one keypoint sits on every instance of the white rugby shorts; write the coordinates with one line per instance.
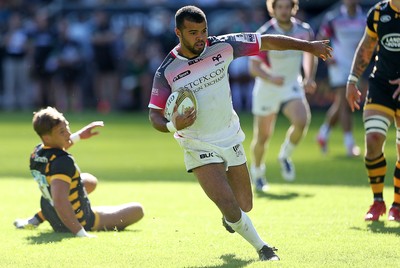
(198, 153)
(268, 98)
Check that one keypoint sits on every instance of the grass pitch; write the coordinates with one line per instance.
(316, 221)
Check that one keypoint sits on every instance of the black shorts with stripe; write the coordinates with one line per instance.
(52, 217)
(380, 92)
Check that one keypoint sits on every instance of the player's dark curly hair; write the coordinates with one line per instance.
(190, 13)
(46, 119)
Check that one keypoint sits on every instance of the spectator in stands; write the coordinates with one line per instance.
(105, 62)
(17, 90)
(43, 39)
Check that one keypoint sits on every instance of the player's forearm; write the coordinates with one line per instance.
(158, 121)
(363, 55)
(310, 63)
(282, 42)
(67, 215)
(256, 70)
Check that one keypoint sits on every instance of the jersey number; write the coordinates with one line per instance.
(43, 185)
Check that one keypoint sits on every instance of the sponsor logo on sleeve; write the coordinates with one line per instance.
(154, 91)
(247, 38)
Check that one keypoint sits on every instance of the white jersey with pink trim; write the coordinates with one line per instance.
(344, 32)
(286, 64)
(207, 76)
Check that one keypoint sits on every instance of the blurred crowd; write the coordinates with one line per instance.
(83, 56)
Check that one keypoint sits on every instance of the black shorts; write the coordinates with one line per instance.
(51, 216)
(379, 96)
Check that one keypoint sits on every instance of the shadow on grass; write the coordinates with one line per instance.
(281, 196)
(53, 237)
(48, 237)
(230, 261)
(379, 227)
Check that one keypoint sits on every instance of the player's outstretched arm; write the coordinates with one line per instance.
(85, 132)
(319, 49)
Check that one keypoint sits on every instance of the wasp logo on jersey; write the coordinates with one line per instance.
(181, 75)
(385, 18)
(391, 42)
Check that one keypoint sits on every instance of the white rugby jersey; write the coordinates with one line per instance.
(286, 64)
(344, 32)
(207, 76)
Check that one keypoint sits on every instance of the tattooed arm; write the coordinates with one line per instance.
(363, 55)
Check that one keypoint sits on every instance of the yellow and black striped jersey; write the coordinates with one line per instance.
(383, 22)
(47, 164)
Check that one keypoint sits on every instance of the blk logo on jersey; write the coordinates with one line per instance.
(194, 61)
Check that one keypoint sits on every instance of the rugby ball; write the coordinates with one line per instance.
(183, 99)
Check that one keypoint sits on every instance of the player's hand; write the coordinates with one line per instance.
(309, 86)
(396, 94)
(87, 131)
(184, 120)
(321, 49)
(83, 233)
(91, 236)
(276, 80)
(353, 96)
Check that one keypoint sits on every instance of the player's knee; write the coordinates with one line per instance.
(263, 139)
(89, 181)
(376, 127)
(139, 212)
(247, 207)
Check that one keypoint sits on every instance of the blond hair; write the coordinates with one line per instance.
(46, 119)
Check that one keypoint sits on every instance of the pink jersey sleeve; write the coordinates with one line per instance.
(161, 88)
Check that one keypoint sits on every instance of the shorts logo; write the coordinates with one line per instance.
(237, 150)
(206, 155)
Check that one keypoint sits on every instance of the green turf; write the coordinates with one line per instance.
(316, 221)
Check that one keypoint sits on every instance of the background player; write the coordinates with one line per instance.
(279, 86)
(344, 26)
